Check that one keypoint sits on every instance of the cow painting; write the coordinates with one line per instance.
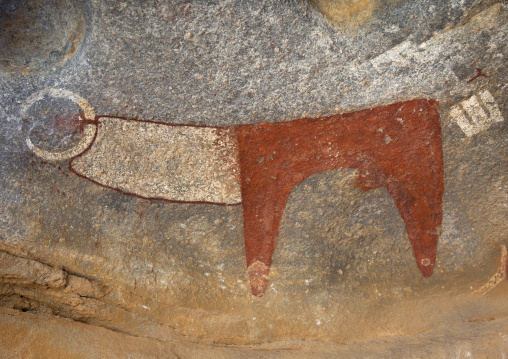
(397, 146)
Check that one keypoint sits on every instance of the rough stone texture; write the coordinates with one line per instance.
(35, 336)
(15, 270)
(343, 270)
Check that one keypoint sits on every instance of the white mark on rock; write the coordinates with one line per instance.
(398, 54)
(498, 277)
(425, 262)
(89, 130)
(393, 29)
(477, 113)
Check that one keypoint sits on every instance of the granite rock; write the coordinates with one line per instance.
(343, 269)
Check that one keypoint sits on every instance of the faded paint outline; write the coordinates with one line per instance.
(498, 277)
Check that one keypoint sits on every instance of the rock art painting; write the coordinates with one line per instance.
(477, 113)
(397, 146)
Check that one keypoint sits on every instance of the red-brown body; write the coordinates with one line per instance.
(396, 146)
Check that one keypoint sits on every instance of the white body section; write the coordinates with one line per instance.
(171, 162)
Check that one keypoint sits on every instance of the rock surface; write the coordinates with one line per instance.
(164, 278)
(38, 336)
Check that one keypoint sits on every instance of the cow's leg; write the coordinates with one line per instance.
(263, 205)
(267, 177)
(421, 211)
(418, 198)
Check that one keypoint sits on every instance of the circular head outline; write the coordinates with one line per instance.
(89, 130)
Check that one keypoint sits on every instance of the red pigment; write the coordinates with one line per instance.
(479, 73)
(396, 146)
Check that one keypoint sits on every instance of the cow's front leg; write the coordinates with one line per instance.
(268, 175)
(263, 205)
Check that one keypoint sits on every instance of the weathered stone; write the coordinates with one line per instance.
(91, 227)
(21, 271)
